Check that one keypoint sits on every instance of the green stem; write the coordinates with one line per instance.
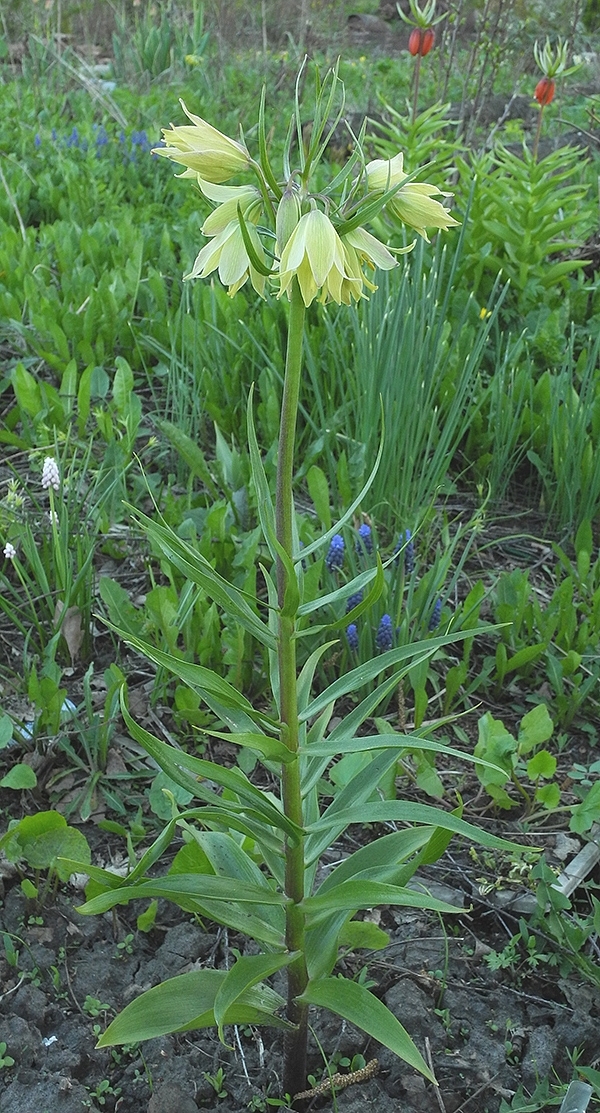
(294, 1065)
(416, 94)
(536, 141)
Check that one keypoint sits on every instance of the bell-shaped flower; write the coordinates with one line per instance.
(227, 252)
(228, 198)
(414, 205)
(314, 254)
(385, 173)
(204, 150)
(414, 202)
(361, 247)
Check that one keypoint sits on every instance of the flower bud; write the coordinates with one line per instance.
(421, 40)
(544, 91)
(288, 215)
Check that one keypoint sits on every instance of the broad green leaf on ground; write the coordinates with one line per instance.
(354, 1003)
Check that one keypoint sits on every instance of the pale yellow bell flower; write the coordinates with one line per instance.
(227, 253)
(314, 254)
(228, 198)
(204, 150)
(414, 205)
(385, 173)
(414, 202)
(361, 247)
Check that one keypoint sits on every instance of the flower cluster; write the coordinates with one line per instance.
(335, 554)
(50, 474)
(280, 230)
(406, 544)
(364, 542)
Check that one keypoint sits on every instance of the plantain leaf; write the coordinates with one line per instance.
(354, 1003)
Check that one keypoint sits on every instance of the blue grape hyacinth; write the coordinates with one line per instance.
(385, 634)
(354, 600)
(405, 541)
(436, 614)
(352, 637)
(365, 539)
(335, 553)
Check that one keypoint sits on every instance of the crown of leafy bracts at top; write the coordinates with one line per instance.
(421, 16)
(553, 61)
(279, 229)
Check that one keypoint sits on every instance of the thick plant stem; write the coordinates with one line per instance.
(538, 132)
(294, 1066)
(416, 92)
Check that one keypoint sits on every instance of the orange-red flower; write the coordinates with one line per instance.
(421, 40)
(544, 90)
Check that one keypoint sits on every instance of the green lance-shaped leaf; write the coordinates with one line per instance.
(366, 672)
(354, 1003)
(190, 453)
(247, 972)
(325, 538)
(199, 886)
(263, 150)
(197, 569)
(186, 1003)
(373, 742)
(344, 592)
(208, 684)
(270, 748)
(255, 262)
(178, 765)
(381, 859)
(365, 893)
(266, 510)
(401, 811)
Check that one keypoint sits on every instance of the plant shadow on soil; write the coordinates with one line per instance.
(487, 1032)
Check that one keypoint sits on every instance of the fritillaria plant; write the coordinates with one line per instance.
(251, 854)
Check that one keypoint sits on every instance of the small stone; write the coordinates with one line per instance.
(170, 1098)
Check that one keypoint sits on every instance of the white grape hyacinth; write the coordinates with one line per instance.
(50, 474)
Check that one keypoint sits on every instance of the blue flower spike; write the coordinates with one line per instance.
(436, 614)
(405, 542)
(352, 637)
(384, 637)
(354, 600)
(364, 541)
(335, 554)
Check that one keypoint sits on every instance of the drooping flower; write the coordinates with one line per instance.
(227, 252)
(544, 91)
(360, 247)
(50, 474)
(364, 543)
(420, 41)
(314, 254)
(436, 614)
(335, 553)
(203, 150)
(384, 637)
(228, 198)
(352, 636)
(414, 202)
(10, 552)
